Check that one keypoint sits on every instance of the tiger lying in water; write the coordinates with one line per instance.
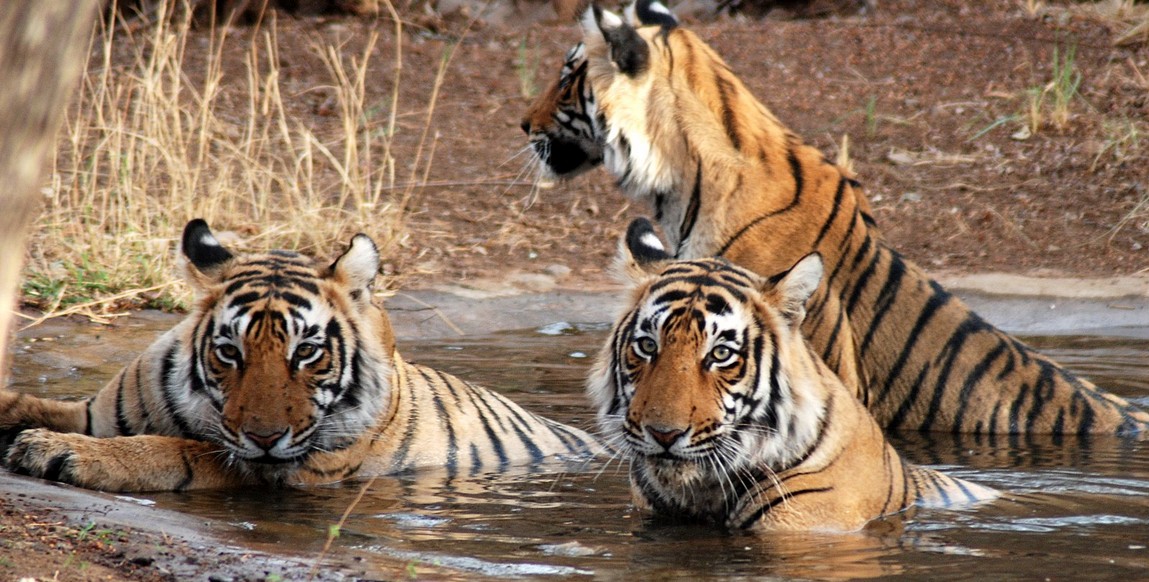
(284, 373)
(677, 128)
(727, 415)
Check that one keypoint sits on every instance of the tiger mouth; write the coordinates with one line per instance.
(566, 158)
(269, 459)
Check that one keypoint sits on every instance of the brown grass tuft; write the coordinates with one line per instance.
(144, 149)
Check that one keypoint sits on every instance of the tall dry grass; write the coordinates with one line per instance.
(144, 149)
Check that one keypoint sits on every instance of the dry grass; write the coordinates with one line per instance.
(144, 150)
(1128, 19)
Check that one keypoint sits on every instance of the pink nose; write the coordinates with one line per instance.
(264, 440)
(665, 437)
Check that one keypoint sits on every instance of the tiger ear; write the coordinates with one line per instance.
(356, 268)
(794, 287)
(628, 51)
(640, 252)
(204, 257)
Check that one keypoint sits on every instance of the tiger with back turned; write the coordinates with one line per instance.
(677, 128)
(284, 373)
(728, 416)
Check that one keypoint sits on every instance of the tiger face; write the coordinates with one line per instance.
(691, 385)
(292, 356)
(560, 124)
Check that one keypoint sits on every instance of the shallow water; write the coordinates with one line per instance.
(1072, 510)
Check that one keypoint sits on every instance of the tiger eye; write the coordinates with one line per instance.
(646, 346)
(720, 353)
(227, 352)
(305, 350)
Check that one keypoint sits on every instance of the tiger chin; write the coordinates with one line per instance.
(284, 373)
(727, 415)
(678, 129)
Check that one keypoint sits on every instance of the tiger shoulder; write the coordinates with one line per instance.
(285, 372)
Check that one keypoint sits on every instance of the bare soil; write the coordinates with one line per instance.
(932, 95)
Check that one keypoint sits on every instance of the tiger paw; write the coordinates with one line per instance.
(65, 457)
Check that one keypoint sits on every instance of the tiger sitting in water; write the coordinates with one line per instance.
(728, 416)
(674, 125)
(285, 373)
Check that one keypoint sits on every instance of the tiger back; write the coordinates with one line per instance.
(284, 373)
(727, 416)
(724, 177)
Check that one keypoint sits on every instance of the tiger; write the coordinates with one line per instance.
(677, 128)
(726, 413)
(284, 373)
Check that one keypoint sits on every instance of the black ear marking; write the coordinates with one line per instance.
(643, 243)
(628, 51)
(655, 13)
(201, 247)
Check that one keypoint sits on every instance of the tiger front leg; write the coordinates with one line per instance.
(22, 411)
(124, 464)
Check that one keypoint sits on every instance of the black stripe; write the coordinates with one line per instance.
(796, 172)
(833, 214)
(729, 120)
(404, 446)
(448, 425)
(937, 300)
(189, 473)
(691, 216)
(796, 169)
(88, 415)
(973, 379)
(520, 424)
(1043, 389)
(478, 402)
(122, 424)
(171, 389)
(761, 511)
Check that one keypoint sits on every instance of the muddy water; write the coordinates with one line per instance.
(1074, 509)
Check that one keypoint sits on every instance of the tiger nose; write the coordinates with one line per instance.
(264, 440)
(665, 437)
(526, 125)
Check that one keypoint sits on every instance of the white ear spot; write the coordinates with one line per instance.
(207, 240)
(610, 20)
(661, 9)
(651, 240)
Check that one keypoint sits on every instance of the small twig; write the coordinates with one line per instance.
(80, 307)
(332, 533)
(436, 311)
(973, 188)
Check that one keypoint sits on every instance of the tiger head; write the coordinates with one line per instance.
(560, 123)
(288, 357)
(707, 372)
(568, 131)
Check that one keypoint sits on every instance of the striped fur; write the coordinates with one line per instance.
(726, 178)
(285, 373)
(727, 415)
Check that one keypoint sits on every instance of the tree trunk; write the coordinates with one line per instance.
(42, 49)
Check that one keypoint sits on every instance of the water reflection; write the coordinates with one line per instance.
(1074, 508)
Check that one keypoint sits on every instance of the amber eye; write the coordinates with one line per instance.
(645, 346)
(228, 353)
(306, 351)
(722, 355)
